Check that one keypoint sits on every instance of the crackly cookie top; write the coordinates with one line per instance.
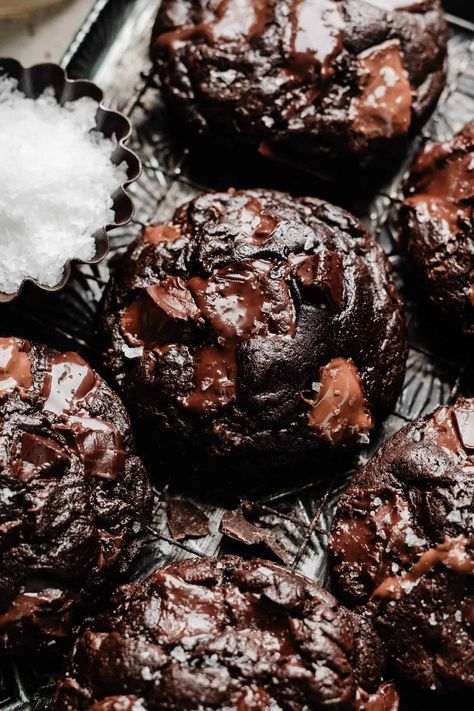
(73, 494)
(226, 634)
(255, 322)
(332, 77)
(437, 224)
(403, 547)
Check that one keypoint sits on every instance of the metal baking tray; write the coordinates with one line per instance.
(111, 49)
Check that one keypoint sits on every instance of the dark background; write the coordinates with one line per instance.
(463, 8)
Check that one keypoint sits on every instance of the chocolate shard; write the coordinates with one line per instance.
(173, 298)
(236, 526)
(185, 520)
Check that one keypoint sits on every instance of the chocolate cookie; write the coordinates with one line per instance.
(226, 634)
(257, 326)
(74, 497)
(437, 225)
(330, 84)
(403, 548)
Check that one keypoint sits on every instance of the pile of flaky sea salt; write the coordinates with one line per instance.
(56, 182)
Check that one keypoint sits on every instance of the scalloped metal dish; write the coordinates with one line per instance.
(33, 81)
(111, 48)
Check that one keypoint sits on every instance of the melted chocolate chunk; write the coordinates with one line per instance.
(315, 37)
(256, 224)
(232, 18)
(38, 457)
(151, 318)
(465, 425)
(323, 270)
(15, 365)
(67, 384)
(452, 429)
(225, 634)
(142, 322)
(384, 107)
(378, 526)
(402, 547)
(173, 298)
(99, 445)
(156, 234)
(238, 301)
(67, 387)
(452, 553)
(239, 17)
(339, 411)
(37, 607)
(444, 182)
(384, 699)
(185, 520)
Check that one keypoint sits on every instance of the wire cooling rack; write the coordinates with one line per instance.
(111, 49)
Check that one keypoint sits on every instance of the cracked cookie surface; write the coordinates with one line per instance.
(226, 634)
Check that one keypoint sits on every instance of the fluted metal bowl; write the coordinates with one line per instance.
(33, 81)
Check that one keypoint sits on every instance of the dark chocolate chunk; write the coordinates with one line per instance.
(15, 365)
(323, 271)
(339, 411)
(384, 106)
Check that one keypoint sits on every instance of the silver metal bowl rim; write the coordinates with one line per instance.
(101, 237)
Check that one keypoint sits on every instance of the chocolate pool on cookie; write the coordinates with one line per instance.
(402, 545)
(255, 326)
(329, 85)
(74, 497)
(226, 634)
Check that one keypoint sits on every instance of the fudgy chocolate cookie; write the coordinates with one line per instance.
(437, 225)
(255, 325)
(226, 634)
(330, 84)
(403, 548)
(74, 497)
